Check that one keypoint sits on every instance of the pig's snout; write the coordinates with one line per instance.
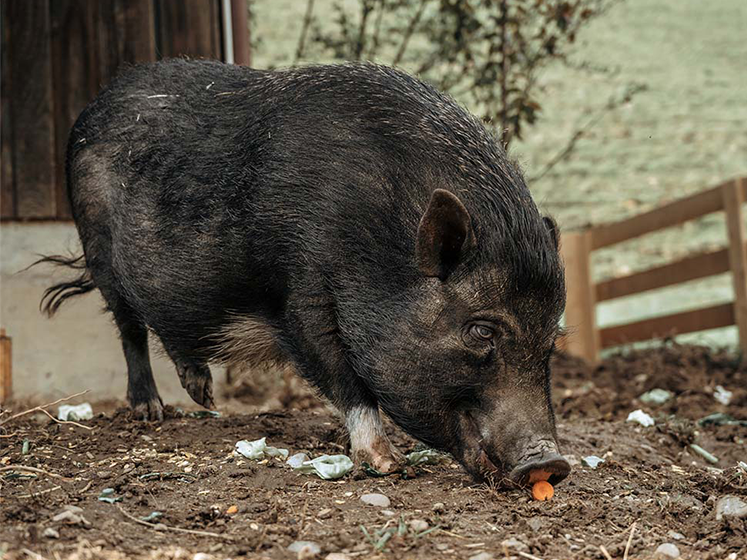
(541, 461)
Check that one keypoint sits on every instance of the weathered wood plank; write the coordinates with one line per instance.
(734, 199)
(242, 51)
(137, 36)
(30, 70)
(7, 184)
(189, 28)
(580, 312)
(665, 216)
(678, 323)
(685, 270)
(75, 72)
(6, 367)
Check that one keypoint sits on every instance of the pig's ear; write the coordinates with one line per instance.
(444, 233)
(552, 227)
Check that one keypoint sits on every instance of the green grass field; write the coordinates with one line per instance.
(687, 131)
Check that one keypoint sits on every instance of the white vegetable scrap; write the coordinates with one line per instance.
(258, 449)
(328, 467)
(70, 412)
(641, 417)
(722, 395)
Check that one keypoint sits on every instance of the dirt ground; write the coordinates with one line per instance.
(651, 489)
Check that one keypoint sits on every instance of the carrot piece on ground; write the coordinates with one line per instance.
(542, 490)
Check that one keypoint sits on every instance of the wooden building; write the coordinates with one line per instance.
(57, 54)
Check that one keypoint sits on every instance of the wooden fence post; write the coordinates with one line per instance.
(580, 312)
(6, 371)
(733, 197)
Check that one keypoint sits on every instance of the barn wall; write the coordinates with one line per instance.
(56, 55)
(79, 348)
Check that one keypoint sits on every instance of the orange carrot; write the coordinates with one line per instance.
(542, 490)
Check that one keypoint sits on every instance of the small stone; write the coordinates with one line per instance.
(50, 533)
(324, 514)
(336, 556)
(482, 556)
(104, 474)
(305, 549)
(514, 543)
(388, 512)
(537, 524)
(439, 507)
(377, 500)
(160, 527)
(731, 506)
(75, 509)
(442, 546)
(232, 510)
(675, 535)
(70, 518)
(667, 550)
(201, 556)
(656, 396)
(419, 525)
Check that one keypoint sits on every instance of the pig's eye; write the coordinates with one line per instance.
(482, 332)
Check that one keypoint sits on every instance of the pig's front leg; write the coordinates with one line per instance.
(369, 442)
(320, 356)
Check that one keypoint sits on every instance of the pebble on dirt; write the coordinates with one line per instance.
(482, 556)
(419, 525)
(377, 500)
(667, 550)
(656, 396)
(50, 533)
(439, 507)
(515, 544)
(731, 506)
(336, 556)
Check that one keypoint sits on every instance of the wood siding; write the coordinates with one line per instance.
(56, 55)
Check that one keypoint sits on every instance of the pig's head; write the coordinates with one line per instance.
(463, 359)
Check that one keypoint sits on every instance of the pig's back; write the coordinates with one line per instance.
(228, 185)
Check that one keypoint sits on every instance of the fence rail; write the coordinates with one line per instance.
(586, 339)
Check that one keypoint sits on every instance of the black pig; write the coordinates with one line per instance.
(350, 220)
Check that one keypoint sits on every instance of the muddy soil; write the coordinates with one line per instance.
(652, 488)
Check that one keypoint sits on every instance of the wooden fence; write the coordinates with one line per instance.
(585, 339)
(56, 54)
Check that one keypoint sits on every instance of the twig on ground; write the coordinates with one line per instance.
(604, 551)
(35, 494)
(160, 526)
(526, 555)
(630, 540)
(33, 554)
(42, 407)
(66, 421)
(34, 470)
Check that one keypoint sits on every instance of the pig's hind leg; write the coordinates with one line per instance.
(194, 376)
(142, 393)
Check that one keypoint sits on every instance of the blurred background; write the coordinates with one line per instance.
(613, 107)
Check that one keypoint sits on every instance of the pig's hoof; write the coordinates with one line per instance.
(199, 384)
(383, 462)
(151, 410)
